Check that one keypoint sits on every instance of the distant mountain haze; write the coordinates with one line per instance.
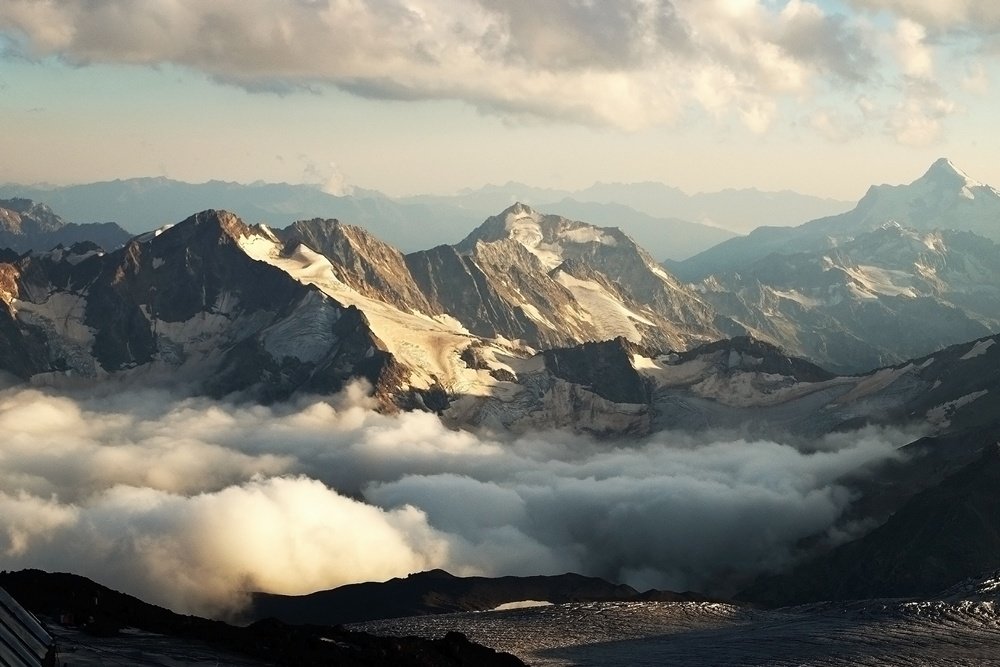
(27, 225)
(943, 198)
(670, 224)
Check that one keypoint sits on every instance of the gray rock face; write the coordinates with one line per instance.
(603, 368)
(543, 280)
(604, 276)
(373, 268)
(27, 225)
(494, 290)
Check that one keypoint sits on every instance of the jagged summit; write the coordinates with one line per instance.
(546, 236)
(518, 209)
(941, 187)
(944, 172)
(944, 197)
(226, 222)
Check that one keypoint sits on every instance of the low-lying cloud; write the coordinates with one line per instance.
(190, 503)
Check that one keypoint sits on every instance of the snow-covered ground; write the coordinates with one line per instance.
(978, 349)
(619, 634)
(605, 311)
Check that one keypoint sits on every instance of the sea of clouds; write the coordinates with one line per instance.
(191, 503)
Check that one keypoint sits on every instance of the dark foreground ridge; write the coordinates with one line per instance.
(438, 592)
(105, 612)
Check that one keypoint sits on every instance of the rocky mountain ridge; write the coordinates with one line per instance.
(911, 269)
(853, 296)
(189, 300)
(27, 225)
(877, 299)
(944, 197)
(238, 308)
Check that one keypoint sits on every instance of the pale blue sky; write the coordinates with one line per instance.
(413, 96)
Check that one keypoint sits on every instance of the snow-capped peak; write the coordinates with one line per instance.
(944, 176)
(944, 197)
(519, 210)
(944, 172)
(523, 225)
(520, 217)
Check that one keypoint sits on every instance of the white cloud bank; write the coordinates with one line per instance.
(190, 503)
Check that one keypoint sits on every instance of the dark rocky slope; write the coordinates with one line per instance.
(438, 592)
(105, 612)
(941, 536)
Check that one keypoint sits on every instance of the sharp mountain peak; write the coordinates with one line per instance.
(944, 171)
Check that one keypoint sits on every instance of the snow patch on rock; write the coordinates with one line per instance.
(940, 416)
(522, 604)
(588, 235)
(978, 349)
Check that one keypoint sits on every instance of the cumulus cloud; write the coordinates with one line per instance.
(190, 503)
(910, 45)
(202, 553)
(631, 63)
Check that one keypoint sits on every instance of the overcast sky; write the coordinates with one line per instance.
(414, 96)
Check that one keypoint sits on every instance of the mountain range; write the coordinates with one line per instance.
(885, 315)
(210, 290)
(669, 223)
(27, 225)
(944, 197)
(912, 268)
(875, 294)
